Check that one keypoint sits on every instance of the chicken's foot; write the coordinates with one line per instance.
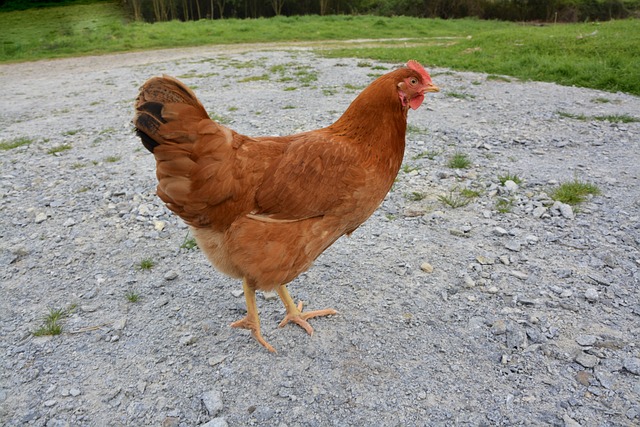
(251, 321)
(295, 314)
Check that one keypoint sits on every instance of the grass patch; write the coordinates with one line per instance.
(509, 177)
(574, 192)
(459, 161)
(504, 205)
(52, 325)
(460, 95)
(132, 297)
(415, 196)
(555, 53)
(429, 154)
(189, 243)
(454, 199)
(15, 143)
(112, 159)
(59, 149)
(146, 264)
(612, 118)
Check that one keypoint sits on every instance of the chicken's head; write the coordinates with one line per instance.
(412, 88)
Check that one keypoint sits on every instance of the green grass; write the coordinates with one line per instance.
(14, 143)
(509, 177)
(59, 149)
(504, 205)
(52, 321)
(414, 196)
(455, 199)
(612, 118)
(574, 192)
(459, 161)
(132, 297)
(560, 53)
(146, 264)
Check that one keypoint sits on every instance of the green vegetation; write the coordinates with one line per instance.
(574, 192)
(459, 161)
(504, 205)
(189, 243)
(132, 297)
(146, 264)
(612, 118)
(455, 199)
(59, 149)
(414, 196)
(600, 55)
(112, 159)
(52, 320)
(509, 177)
(14, 143)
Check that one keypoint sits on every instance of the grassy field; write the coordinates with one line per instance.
(596, 55)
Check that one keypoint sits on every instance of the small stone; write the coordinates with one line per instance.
(161, 302)
(583, 377)
(566, 293)
(74, 392)
(505, 260)
(187, 339)
(159, 225)
(499, 231)
(170, 275)
(41, 217)
(49, 403)
(426, 267)
(566, 210)
(587, 360)
(119, 324)
(115, 338)
(171, 422)
(632, 364)
(511, 186)
(591, 295)
(539, 211)
(212, 400)
(516, 337)
(570, 422)
(519, 274)
(513, 245)
(586, 340)
(270, 295)
(216, 360)
(69, 222)
(469, 282)
(216, 422)
(492, 290)
(484, 260)
(499, 327)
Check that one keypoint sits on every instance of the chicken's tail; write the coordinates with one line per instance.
(167, 112)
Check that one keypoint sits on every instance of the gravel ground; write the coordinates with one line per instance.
(448, 316)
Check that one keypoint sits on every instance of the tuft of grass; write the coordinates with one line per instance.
(254, 78)
(459, 161)
(469, 193)
(460, 95)
(146, 264)
(78, 165)
(415, 196)
(454, 199)
(112, 159)
(509, 177)
(52, 321)
(15, 143)
(429, 154)
(612, 118)
(71, 132)
(498, 78)
(189, 243)
(59, 149)
(504, 205)
(132, 297)
(574, 192)
(407, 168)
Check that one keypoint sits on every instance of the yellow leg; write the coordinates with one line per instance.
(295, 314)
(251, 321)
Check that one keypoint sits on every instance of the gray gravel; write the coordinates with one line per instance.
(464, 316)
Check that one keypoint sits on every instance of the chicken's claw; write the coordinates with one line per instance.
(295, 314)
(250, 324)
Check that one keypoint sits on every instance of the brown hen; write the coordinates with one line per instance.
(263, 209)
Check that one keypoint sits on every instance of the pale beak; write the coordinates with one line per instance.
(432, 88)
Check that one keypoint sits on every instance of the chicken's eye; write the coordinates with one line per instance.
(413, 81)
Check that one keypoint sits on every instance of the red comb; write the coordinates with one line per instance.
(415, 66)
